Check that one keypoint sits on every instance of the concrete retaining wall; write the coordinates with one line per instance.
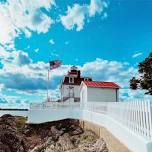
(113, 144)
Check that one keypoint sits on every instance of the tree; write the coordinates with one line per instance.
(145, 79)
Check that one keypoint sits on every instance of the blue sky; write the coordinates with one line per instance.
(106, 39)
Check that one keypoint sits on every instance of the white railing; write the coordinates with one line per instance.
(136, 115)
(54, 105)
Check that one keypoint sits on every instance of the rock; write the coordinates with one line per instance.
(7, 122)
(10, 138)
(4, 148)
(64, 143)
(75, 139)
(50, 148)
(33, 141)
(99, 146)
(56, 133)
(78, 130)
(85, 140)
(44, 146)
(58, 136)
(13, 141)
(88, 137)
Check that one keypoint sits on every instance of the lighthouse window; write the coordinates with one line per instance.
(71, 80)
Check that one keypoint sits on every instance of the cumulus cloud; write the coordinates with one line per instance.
(23, 58)
(20, 16)
(136, 55)
(97, 6)
(32, 77)
(76, 15)
(3, 53)
(22, 82)
(21, 74)
(104, 70)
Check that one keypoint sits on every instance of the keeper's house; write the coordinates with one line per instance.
(93, 91)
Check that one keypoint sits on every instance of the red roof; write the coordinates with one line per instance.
(99, 84)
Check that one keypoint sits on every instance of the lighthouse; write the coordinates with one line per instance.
(70, 86)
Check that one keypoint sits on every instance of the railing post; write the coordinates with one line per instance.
(150, 119)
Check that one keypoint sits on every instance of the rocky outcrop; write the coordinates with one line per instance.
(10, 138)
(64, 143)
(59, 136)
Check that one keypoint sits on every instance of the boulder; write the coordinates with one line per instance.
(43, 146)
(4, 148)
(13, 141)
(99, 146)
(58, 136)
(56, 133)
(64, 143)
(76, 130)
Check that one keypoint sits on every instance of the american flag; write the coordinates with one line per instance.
(55, 64)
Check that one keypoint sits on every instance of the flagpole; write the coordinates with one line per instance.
(49, 82)
(48, 85)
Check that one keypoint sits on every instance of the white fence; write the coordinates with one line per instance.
(130, 122)
(135, 115)
(54, 105)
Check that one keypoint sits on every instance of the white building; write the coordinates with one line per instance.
(93, 91)
(70, 86)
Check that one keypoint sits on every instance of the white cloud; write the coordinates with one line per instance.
(22, 58)
(128, 94)
(76, 15)
(20, 16)
(20, 67)
(136, 55)
(21, 74)
(3, 53)
(97, 6)
(37, 50)
(51, 41)
(104, 70)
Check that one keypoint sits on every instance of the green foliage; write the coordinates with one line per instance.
(145, 72)
(20, 122)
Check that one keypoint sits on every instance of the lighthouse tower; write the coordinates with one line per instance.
(70, 86)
